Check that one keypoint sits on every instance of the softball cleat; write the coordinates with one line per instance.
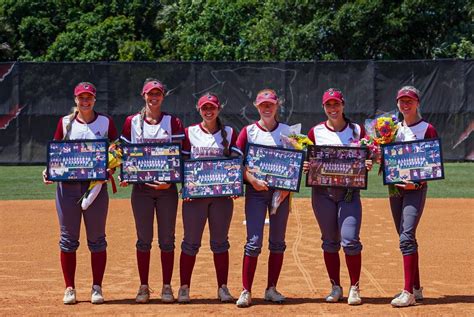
(143, 294)
(69, 296)
(183, 294)
(96, 295)
(354, 296)
(273, 295)
(335, 295)
(245, 299)
(167, 294)
(224, 295)
(405, 299)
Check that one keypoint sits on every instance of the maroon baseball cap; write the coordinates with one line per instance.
(266, 96)
(410, 92)
(152, 85)
(333, 94)
(84, 87)
(209, 99)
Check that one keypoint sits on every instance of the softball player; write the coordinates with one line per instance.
(212, 137)
(83, 123)
(339, 220)
(153, 125)
(407, 207)
(258, 196)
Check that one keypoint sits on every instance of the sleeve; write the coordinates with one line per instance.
(430, 132)
(186, 149)
(233, 143)
(177, 129)
(362, 131)
(127, 130)
(59, 134)
(112, 132)
(242, 140)
(311, 135)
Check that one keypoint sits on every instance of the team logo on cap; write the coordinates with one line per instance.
(331, 93)
(209, 97)
(86, 87)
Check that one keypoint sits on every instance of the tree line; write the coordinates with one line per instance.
(234, 30)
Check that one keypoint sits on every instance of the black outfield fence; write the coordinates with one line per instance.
(33, 96)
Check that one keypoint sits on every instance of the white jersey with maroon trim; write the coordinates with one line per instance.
(254, 133)
(321, 134)
(168, 129)
(199, 143)
(418, 131)
(102, 127)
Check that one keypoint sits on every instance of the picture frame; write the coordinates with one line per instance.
(416, 161)
(77, 160)
(212, 177)
(281, 168)
(150, 162)
(337, 166)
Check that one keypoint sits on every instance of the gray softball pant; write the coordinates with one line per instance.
(339, 221)
(70, 213)
(406, 212)
(257, 205)
(146, 202)
(195, 215)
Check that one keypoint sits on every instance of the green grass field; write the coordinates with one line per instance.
(25, 182)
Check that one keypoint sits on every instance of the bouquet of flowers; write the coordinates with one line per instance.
(294, 140)
(115, 159)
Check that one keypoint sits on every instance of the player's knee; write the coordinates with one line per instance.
(219, 246)
(190, 248)
(408, 245)
(143, 246)
(68, 245)
(352, 248)
(277, 247)
(98, 245)
(166, 246)
(331, 246)
(253, 247)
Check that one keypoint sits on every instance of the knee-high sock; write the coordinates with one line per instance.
(68, 265)
(143, 262)
(186, 266)
(333, 266)
(248, 271)
(354, 264)
(98, 261)
(167, 263)
(275, 262)
(409, 268)
(221, 263)
(417, 283)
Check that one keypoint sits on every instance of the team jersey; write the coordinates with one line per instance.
(168, 129)
(254, 133)
(199, 143)
(102, 127)
(418, 131)
(321, 134)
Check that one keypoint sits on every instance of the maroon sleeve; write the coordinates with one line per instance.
(430, 132)
(311, 135)
(112, 133)
(127, 129)
(177, 128)
(59, 135)
(362, 132)
(242, 139)
(186, 143)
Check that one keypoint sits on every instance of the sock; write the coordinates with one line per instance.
(98, 261)
(68, 265)
(409, 268)
(167, 263)
(417, 283)
(143, 262)
(186, 266)
(275, 261)
(248, 271)
(354, 264)
(221, 263)
(333, 266)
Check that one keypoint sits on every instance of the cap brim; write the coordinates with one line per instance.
(409, 96)
(82, 91)
(210, 103)
(333, 98)
(148, 90)
(273, 101)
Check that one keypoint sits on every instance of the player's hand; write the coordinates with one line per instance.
(233, 197)
(187, 200)
(369, 164)
(121, 182)
(111, 171)
(408, 185)
(305, 167)
(260, 185)
(158, 185)
(45, 178)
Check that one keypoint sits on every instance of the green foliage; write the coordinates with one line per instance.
(240, 30)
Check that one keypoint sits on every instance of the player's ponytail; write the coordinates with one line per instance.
(225, 142)
(71, 118)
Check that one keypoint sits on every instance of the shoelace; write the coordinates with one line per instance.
(167, 291)
(70, 292)
(183, 292)
(145, 291)
(226, 291)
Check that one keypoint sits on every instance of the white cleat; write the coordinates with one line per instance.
(273, 295)
(354, 296)
(96, 295)
(167, 294)
(404, 299)
(245, 299)
(143, 294)
(224, 295)
(69, 296)
(183, 295)
(335, 295)
(418, 293)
